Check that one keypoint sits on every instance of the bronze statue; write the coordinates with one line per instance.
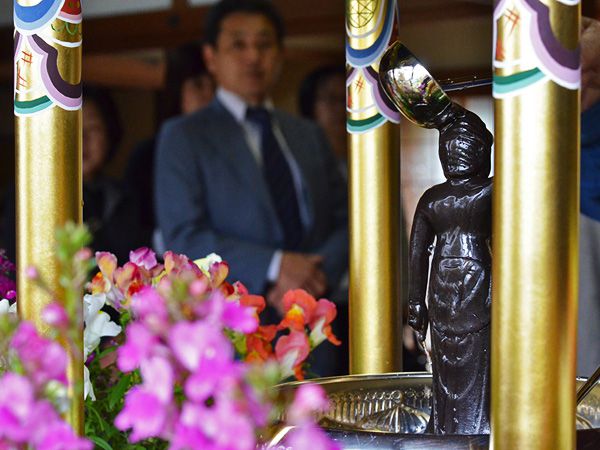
(456, 215)
(453, 219)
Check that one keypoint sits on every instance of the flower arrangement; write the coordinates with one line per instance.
(7, 284)
(176, 356)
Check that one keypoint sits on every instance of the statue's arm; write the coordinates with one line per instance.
(421, 238)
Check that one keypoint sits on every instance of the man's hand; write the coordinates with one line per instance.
(298, 271)
(590, 62)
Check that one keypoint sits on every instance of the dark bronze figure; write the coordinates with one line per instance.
(454, 220)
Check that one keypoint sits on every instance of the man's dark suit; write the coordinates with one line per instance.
(211, 195)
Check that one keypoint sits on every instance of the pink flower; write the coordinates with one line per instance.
(83, 254)
(223, 426)
(218, 273)
(291, 351)
(60, 436)
(16, 404)
(187, 438)
(209, 379)
(44, 360)
(310, 436)
(107, 263)
(234, 430)
(55, 315)
(144, 413)
(309, 398)
(229, 313)
(139, 345)
(150, 308)
(31, 273)
(198, 343)
(128, 279)
(143, 257)
(158, 377)
(175, 264)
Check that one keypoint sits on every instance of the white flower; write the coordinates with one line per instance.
(7, 308)
(205, 263)
(97, 325)
(88, 389)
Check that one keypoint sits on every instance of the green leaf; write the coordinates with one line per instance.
(101, 442)
(106, 351)
(118, 391)
(102, 424)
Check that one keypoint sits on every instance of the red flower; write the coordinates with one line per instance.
(299, 307)
(259, 344)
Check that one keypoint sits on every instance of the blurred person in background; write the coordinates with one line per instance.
(188, 88)
(108, 209)
(250, 182)
(322, 98)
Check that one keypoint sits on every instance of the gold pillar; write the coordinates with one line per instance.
(47, 103)
(374, 177)
(535, 224)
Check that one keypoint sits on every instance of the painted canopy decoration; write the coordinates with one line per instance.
(369, 27)
(44, 34)
(539, 57)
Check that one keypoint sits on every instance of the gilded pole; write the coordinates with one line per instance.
(374, 180)
(535, 223)
(47, 105)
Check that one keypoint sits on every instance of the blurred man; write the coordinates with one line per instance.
(247, 181)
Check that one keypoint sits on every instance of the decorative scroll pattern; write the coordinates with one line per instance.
(541, 56)
(45, 33)
(369, 27)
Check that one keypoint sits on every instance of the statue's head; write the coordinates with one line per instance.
(465, 145)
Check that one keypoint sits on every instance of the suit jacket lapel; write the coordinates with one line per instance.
(232, 144)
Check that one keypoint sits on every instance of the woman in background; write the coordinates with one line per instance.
(108, 210)
(322, 98)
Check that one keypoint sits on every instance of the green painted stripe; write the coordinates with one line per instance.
(359, 126)
(521, 80)
(32, 106)
(508, 79)
(353, 129)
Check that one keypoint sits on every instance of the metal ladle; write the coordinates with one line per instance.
(410, 86)
(587, 387)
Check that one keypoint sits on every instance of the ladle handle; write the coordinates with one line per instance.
(457, 85)
(587, 387)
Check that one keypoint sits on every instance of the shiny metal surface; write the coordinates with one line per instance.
(585, 389)
(374, 204)
(48, 193)
(390, 412)
(410, 86)
(535, 240)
